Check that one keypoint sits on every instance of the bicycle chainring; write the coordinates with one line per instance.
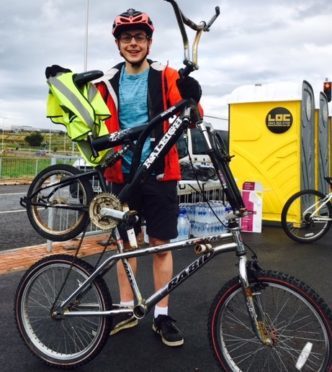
(104, 200)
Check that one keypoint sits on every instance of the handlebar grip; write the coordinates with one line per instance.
(216, 15)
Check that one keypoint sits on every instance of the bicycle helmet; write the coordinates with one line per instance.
(130, 19)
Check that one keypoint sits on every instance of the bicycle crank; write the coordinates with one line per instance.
(100, 201)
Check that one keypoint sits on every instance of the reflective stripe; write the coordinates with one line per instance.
(92, 92)
(73, 100)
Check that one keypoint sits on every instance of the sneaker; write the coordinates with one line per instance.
(170, 335)
(122, 322)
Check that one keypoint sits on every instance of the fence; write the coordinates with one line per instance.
(28, 168)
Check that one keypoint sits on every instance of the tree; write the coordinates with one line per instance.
(34, 139)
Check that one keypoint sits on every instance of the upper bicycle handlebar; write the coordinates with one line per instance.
(191, 64)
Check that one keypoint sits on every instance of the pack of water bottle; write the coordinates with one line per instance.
(183, 226)
(202, 218)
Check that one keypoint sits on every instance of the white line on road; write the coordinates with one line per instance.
(16, 210)
(13, 193)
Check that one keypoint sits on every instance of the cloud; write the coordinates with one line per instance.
(251, 42)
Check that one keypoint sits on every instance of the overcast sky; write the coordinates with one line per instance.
(255, 41)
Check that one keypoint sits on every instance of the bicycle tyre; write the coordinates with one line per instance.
(295, 318)
(46, 205)
(69, 341)
(305, 229)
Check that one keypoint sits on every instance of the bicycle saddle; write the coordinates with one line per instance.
(84, 77)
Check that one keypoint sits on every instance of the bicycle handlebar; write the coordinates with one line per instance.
(205, 26)
(191, 64)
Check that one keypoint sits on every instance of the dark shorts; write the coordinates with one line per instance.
(156, 202)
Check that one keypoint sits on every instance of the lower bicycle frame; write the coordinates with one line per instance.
(317, 206)
(205, 251)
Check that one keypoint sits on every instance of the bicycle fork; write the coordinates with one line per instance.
(255, 311)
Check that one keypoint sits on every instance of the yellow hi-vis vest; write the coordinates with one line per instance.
(81, 110)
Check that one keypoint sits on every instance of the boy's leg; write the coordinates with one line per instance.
(124, 321)
(162, 269)
(161, 211)
(163, 324)
(126, 293)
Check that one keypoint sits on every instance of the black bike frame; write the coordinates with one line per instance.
(140, 172)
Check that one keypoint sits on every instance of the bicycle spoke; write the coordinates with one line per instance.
(63, 338)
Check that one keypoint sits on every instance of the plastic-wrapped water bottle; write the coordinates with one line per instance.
(183, 226)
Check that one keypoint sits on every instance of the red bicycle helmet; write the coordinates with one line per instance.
(132, 18)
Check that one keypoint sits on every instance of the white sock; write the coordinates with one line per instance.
(158, 310)
(127, 303)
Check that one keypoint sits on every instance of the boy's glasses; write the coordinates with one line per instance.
(139, 38)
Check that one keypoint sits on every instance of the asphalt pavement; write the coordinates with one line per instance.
(139, 349)
(16, 230)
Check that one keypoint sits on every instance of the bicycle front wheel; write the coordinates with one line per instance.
(294, 317)
(304, 218)
(63, 342)
(57, 205)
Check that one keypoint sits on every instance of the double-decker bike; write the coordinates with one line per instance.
(260, 320)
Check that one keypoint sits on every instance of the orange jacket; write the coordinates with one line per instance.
(162, 94)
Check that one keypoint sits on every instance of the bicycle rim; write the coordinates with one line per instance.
(59, 212)
(66, 341)
(303, 220)
(300, 328)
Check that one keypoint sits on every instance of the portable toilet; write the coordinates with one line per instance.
(322, 143)
(271, 135)
(330, 145)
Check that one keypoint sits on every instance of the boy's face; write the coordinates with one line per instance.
(134, 45)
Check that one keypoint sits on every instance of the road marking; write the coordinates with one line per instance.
(13, 193)
(16, 210)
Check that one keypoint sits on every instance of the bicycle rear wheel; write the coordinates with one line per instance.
(57, 206)
(64, 342)
(304, 219)
(294, 317)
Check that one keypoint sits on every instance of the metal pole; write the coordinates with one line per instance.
(86, 36)
(2, 138)
(2, 134)
(49, 143)
(51, 213)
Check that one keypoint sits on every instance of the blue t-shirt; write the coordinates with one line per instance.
(133, 108)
